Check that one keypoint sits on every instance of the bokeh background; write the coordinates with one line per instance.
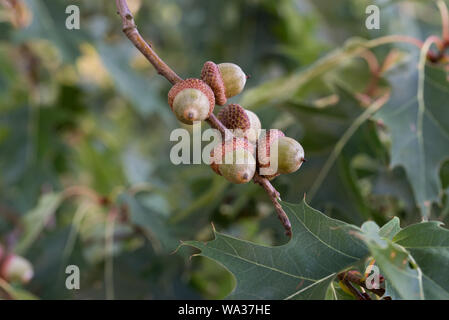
(85, 175)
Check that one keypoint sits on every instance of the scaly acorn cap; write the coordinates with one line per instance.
(191, 100)
(234, 117)
(233, 77)
(211, 75)
(242, 167)
(264, 143)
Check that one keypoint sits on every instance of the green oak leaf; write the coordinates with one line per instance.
(428, 243)
(390, 229)
(303, 268)
(395, 264)
(414, 260)
(417, 116)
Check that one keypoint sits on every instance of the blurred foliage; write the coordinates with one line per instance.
(85, 176)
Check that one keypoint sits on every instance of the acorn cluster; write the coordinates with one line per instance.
(238, 158)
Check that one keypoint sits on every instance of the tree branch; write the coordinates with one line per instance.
(130, 30)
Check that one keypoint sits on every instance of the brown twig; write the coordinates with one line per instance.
(375, 70)
(130, 30)
(275, 197)
(442, 44)
(444, 21)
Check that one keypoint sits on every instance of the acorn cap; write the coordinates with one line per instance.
(192, 84)
(264, 143)
(234, 117)
(211, 75)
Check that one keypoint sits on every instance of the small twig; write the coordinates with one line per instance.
(444, 21)
(442, 44)
(274, 196)
(215, 123)
(130, 30)
(375, 70)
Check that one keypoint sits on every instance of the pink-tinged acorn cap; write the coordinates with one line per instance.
(264, 145)
(233, 116)
(211, 75)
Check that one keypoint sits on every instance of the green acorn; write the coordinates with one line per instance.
(191, 100)
(234, 160)
(233, 77)
(290, 153)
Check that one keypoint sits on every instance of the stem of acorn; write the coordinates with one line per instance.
(130, 30)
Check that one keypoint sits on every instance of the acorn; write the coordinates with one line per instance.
(211, 75)
(233, 77)
(191, 100)
(234, 160)
(235, 117)
(290, 153)
(14, 268)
